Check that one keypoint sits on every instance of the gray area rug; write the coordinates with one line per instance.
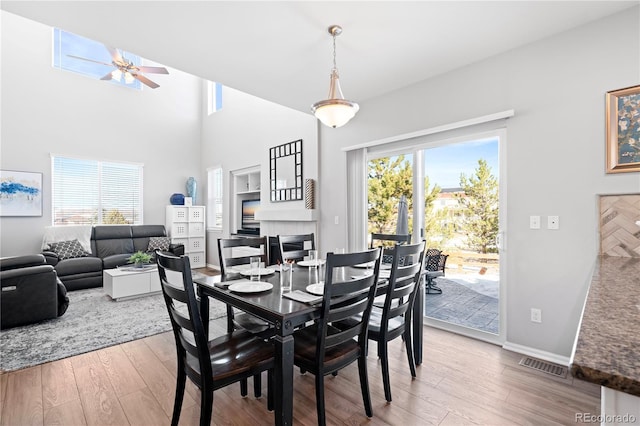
(93, 321)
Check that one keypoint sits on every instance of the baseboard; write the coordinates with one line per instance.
(537, 353)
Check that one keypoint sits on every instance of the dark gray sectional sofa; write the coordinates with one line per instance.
(111, 246)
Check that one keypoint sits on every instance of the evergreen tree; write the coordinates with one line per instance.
(389, 179)
(479, 207)
(114, 217)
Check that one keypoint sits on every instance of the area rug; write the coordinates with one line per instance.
(93, 321)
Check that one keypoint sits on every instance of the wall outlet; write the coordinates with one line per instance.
(536, 315)
(534, 222)
(336, 220)
(553, 222)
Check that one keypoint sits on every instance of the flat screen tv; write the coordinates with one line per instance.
(249, 208)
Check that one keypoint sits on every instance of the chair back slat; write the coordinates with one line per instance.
(295, 247)
(404, 282)
(346, 299)
(226, 250)
(183, 310)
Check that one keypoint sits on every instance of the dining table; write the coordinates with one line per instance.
(286, 315)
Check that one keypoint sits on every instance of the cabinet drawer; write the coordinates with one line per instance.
(179, 230)
(180, 214)
(196, 244)
(197, 259)
(183, 241)
(196, 229)
(196, 214)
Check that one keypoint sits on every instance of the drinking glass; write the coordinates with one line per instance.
(286, 277)
(254, 265)
(313, 257)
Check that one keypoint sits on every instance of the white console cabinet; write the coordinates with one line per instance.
(186, 225)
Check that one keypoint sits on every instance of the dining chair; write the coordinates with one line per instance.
(210, 365)
(435, 263)
(394, 318)
(323, 349)
(295, 247)
(233, 252)
(388, 242)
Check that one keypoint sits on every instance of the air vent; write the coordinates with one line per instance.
(544, 366)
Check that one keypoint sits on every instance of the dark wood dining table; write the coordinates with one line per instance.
(286, 315)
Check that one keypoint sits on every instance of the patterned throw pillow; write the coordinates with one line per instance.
(68, 249)
(159, 243)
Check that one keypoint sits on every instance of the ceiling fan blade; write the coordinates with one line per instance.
(145, 80)
(156, 70)
(107, 77)
(115, 54)
(90, 60)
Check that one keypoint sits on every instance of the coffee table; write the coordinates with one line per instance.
(129, 282)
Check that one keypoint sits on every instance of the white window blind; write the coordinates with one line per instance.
(87, 192)
(215, 194)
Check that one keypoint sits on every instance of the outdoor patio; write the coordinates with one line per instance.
(468, 300)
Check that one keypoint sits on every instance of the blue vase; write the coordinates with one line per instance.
(191, 189)
(177, 199)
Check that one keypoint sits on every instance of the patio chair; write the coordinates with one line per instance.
(435, 263)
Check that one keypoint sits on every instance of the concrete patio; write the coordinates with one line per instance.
(468, 300)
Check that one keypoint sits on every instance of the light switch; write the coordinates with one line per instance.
(534, 222)
(553, 222)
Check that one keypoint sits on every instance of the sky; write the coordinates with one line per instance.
(444, 164)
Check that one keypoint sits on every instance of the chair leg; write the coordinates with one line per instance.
(270, 390)
(230, 325)
(257, 385)
(364, 386)
(408, 343)
(384, 358)
(243, 388)
(322, 421)
(206, 406)
(177, 404)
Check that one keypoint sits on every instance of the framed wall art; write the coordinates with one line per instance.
(20, 193)
(623, 130)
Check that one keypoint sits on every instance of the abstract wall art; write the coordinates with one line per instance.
(20, 193)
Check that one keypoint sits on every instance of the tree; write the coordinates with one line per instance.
(479, 206)
(389, 179)
(114, 217)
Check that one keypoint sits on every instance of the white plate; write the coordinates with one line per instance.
(250, 287)
(263, 271)
(312, 262)
(317, 289)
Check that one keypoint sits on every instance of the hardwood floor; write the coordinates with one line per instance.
(461, 381)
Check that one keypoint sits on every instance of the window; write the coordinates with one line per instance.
(215, 201)
(89, 192)
(66, 45)
(214, 97)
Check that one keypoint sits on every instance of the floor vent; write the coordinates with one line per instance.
(544, 366)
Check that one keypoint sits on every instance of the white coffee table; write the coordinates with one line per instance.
(128, 282)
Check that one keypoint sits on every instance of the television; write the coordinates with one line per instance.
(249, 208)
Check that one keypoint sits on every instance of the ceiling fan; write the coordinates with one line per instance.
(125, 68)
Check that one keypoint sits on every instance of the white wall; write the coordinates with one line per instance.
(555, 159)
(46, 110)
(240, 135)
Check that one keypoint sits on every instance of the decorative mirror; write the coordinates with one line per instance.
(286, 171)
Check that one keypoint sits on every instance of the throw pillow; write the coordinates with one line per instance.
(159, 243)
(68, 249)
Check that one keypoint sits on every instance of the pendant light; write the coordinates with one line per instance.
(335, 111)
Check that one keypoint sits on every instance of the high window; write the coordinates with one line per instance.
(68, 47)
(214, 97)
(88, 192)
(214, 199)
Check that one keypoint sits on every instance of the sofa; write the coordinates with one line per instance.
(110, 247)
(31, 291)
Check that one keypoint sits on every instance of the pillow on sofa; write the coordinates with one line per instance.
(68, 249)
(159, 243)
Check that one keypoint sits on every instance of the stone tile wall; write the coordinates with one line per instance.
(620, 225)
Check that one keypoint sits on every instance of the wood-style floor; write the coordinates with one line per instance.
(462, 381)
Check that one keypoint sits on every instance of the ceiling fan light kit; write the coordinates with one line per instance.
(335, 111)
(127, 69)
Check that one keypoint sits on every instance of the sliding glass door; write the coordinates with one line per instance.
(454, 200)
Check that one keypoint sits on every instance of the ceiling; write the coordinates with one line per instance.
(281, 51)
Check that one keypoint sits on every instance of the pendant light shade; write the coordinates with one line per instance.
(335, 111)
